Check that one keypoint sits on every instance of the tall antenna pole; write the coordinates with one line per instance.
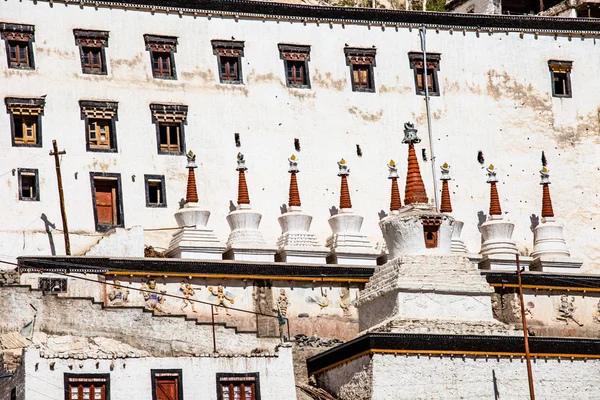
(422, 32)
(525, 334)
(61, 196)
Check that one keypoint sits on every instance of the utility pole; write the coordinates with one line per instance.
(525, 334)
(61, 195)
(541, 5)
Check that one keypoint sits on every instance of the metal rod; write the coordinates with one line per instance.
(61, 196)
(212, 317)
(525, 334)
(422, 33)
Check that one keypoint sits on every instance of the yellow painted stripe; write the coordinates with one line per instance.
(542, 287)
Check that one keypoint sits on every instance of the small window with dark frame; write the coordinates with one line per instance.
(238, 386)
(87, 386)
(107, 200)
(19, 45)
(431, 227)
(361, 62)
(422, 76)
(155, 191)
(25, 116)
(162, 50)
(29, 187)
(295, 60)
(166, 384)
(229, 58)
(100, 124)
(54, 285)
(169, 120)
(91, 50)
(560, 72)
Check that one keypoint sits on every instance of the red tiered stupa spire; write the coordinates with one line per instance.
(243, 196)
(495, 208)
(191, 195)
(294, 200)
(547, 210)
(446, 205)
(395, 202)
(415, 189)
(345, 201)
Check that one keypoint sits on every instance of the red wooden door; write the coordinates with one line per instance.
(167, 389)
(106, 204)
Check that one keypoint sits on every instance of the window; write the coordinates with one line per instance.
(361, 62)
(107, 200)
(560, 71)
(166, 384)
(29, 185)
(56, 285)
(162, 49)
(91, 50)
(229, 57)
(295, 60)
(19, 45)
(155, 191)
(431, 227)
(169, 120)
(433, 65)
(25, 115)
(100, 126)
(87, 387)
(238, 386)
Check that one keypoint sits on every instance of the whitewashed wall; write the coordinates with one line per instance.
(496, 97)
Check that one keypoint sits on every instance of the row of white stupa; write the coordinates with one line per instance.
(347, 246)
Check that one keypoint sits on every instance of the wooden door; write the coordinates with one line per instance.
(167, 389)
(106, 201)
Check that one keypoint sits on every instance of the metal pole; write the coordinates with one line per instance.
(525, 335)
(212, 317)
(422, 32)
(61, 196)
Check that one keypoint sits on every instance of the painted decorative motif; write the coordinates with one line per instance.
(153, 297)
(188, 292)
(222, 297)
(322, 301)
(117, 296)
(566, 310)
(345, 301)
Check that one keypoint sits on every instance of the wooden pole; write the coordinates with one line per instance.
(525, 334)
(541, 5)
(61, 196)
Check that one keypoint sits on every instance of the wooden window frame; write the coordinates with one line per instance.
(365, 58)
(433, 65)
(161, 180)
(561, 67)
(233, 377)
(159, 45)
(173, 115)
(172, 372)
(229, 49)
(119, 198)
(431, 226)
(71, 379)
(296, 54)
(100, 110)
(22, 34)
(25, 108)
(88, 40)
(47, 284)
(29, 172)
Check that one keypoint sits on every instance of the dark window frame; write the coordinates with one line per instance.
(561, 67)
(431, 226)
(29, 172)
(13, 105)
(88, 109)
(180, 118)
(161, 178)
(120, 215)
(162, 44)
(358, 56)
(229, 49)
(67, 383)
(433, 65)
(90, 39)
(11, 33)
(179, 373)
(254, 376)
(296, 54)
(62, 282)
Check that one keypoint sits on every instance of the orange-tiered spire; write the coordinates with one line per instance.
(395, 202)
(345, 201)
(294, 200)
(191, 195)
(547, 210)
(446, 206)
(494, 199)
(243, 196)
(415, 189)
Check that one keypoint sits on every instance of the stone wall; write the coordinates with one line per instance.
(16, 382)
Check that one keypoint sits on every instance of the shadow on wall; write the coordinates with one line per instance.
(481, 218)
(48, 226)
(333, 210)
(495, 381)
(535, 221)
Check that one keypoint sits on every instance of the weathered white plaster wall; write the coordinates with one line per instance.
(132, 376)
(495, 97)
